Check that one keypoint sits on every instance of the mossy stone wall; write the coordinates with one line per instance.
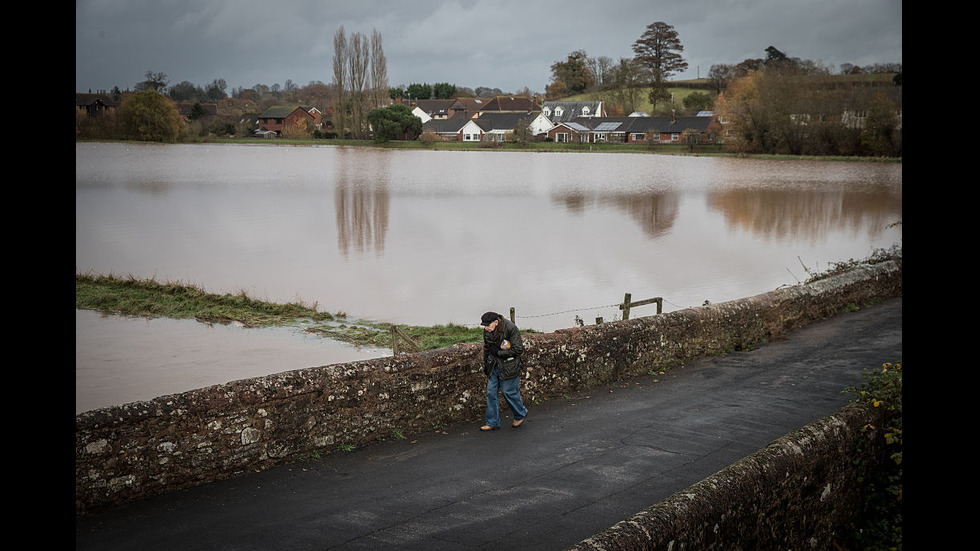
(140, 449)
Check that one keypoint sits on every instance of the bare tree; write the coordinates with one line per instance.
(358, 60)
(720, 75)
(379, 71)
(360, 80)
(627, 83)
(154, 81)
(601, 68)
(340, 81)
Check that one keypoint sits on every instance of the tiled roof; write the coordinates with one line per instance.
(443, 126)
(489, 120)
(645, 124)
(433, 106)
(571, 110)
(280, 111)
(574, 126)
(511, 103)
(89, 99)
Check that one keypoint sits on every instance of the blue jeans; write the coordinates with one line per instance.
(510, 388)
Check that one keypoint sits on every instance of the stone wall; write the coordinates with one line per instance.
(145, 448)
(803, 491)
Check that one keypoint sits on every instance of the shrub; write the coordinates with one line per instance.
(882, 516)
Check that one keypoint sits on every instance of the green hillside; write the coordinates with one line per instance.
(681, 88)
(678, 92)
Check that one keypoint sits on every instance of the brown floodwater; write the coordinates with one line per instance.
(432, 237)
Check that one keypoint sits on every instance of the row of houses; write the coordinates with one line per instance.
(638, 129)
(481, 119)
(475, 120)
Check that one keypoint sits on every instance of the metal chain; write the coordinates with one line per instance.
(567, 311)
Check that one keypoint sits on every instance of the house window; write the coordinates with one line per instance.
(585, 111)
(637, 137)
(546, 111)
(675, 137)
(600, 137)
(561, 137)
(559, 111)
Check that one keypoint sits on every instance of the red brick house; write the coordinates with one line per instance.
(569, 132)
(275, 118)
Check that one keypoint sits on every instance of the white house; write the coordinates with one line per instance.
(541, 124)
(471, 131)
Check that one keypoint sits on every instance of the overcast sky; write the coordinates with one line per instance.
(506, 44)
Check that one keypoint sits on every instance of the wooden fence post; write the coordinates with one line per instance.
(395, 334)
(625, 306)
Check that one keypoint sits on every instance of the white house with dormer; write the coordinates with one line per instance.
(565, 111)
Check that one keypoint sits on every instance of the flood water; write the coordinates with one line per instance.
(432, 237)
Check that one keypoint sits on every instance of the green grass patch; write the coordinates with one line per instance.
(378, 335)
(149, 298)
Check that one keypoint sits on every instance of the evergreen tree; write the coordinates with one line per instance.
(659, 50)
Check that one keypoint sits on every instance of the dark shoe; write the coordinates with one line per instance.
(518, 423)
(488, 428)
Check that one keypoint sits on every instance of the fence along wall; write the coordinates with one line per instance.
(144, 448)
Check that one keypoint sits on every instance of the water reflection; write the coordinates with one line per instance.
(434, 237)
(362, 218)
(807, 215)
(654, 213)
(361, 201)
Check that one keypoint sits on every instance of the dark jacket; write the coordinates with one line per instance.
(508, 361)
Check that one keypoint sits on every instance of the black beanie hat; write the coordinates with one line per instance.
(489, 318)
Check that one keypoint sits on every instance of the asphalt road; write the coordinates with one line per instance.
(577, 466)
